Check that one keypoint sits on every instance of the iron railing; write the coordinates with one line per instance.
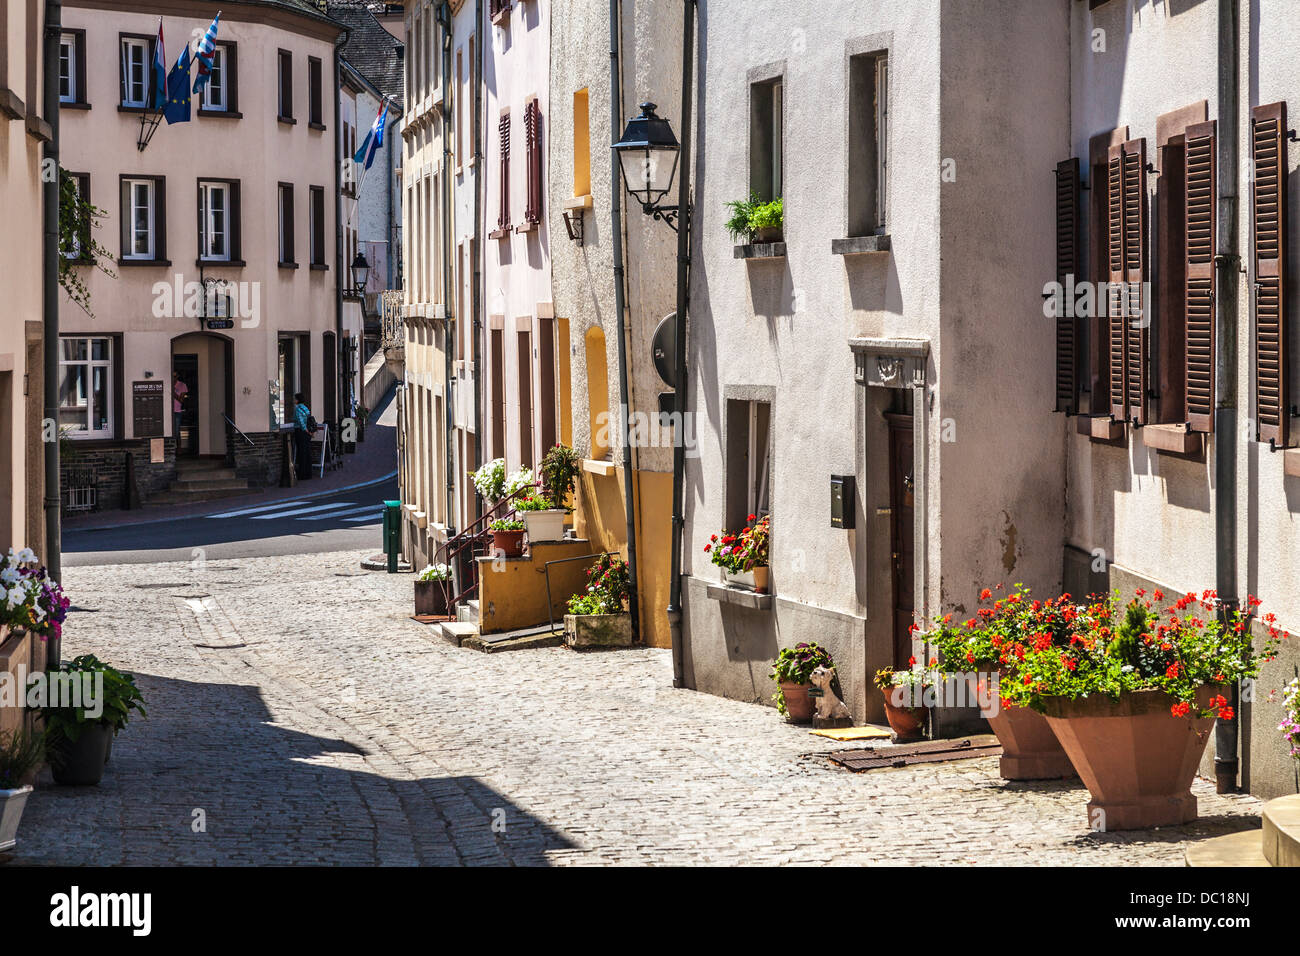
(460, 551)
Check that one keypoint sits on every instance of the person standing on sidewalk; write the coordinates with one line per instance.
(303, 426)
(179, 391)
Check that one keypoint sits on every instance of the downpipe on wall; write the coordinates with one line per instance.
(50, 302)
(1226, 265)
(450, 321)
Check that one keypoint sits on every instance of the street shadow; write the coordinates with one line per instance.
(209, 778)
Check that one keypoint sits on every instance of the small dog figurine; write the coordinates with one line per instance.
(829, 707)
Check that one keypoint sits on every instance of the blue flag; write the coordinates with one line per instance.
(374, 139)
(177, 109)
(159, 71)
(206, 54)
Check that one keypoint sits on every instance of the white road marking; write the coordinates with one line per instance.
(302, 511)
(250, 511)
(373, 509)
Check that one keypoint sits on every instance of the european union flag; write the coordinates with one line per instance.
(177, 109)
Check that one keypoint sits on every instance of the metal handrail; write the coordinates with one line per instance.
(546, 569)
(236, 428)
(474, 534)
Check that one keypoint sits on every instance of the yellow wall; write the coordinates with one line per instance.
(512, 592)
(601, 519)
(597, 391)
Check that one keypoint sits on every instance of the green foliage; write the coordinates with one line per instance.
(747, 216)
(21, 752)
(434, 572)
(794, 665)
(560, 468)
(506, 524)
(609, 586)
(78, 221)
(119, 698)
(519, 480)
(532, 502)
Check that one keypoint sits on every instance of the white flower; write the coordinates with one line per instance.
(9, 575)
(26, 556)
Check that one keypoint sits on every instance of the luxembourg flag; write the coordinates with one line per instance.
(207, 51)
(374, 139)
(159, 71)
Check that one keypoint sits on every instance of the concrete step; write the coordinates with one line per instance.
(539, 635)
(216, 483)
(200, 464)
(1243, 848)
(1281, 839)
(456, 632)
(467, 611)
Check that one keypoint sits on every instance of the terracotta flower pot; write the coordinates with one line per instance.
(760, 578)
(1135, 757)
(1030, 750)
(510, 542)
(907, 723)
(798, 705)
(430, 598)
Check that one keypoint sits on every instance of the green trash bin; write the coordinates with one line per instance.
(392, 533)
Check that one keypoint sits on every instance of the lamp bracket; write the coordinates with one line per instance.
(665, 214)
(574, 226)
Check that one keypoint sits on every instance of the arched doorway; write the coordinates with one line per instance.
(202, 387)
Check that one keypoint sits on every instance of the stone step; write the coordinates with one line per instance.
(456, 632)
(201, 464)
(1281, 839)
(467, 611)
(1243, 848)
(219, 483)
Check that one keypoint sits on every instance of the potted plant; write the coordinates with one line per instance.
(559, 474)
(490, 481)
(21, 753)
(1131, 692)
(976, 652)
(791, 670)
(1290, 725)
(79, 733)
(598, 616)
(743, 557)
(904, 693)
(752, 220)
(33, 602)
(507, 537)
(431, 586)
(767, 221)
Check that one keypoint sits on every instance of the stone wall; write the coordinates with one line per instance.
(103, 465)
(260, 462)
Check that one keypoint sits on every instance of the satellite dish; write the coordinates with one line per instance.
(663, 348)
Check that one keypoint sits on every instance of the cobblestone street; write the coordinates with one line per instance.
(297, 712)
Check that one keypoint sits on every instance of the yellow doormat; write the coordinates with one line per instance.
(869, 732)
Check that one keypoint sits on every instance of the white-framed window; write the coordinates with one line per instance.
(214, 221)
(135, 72)
(86, 386)
(216, 95)
(139, 204)
(68, 78)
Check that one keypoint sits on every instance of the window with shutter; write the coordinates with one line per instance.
(1268, 134)
(1067, 264)
(1126, 254)
(533, 139)
(1199, 185)
(503, 220)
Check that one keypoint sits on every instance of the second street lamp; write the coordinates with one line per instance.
(648, 153)
(360, 270)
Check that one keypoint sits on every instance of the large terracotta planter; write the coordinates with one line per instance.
(511, 543)
(1030, 750)
(907, 723)
(798, 705)
(1135, 757)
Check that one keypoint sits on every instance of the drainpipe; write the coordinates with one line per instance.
(683, 260)
(620, 311)
(450, 322)
(476, 250)
(339, 391)
(1226, 264)
(50, 264)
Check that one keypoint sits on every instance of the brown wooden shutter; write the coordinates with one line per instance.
(1199, 210)
(1126, 235)
(1268, 206)
(1067, 264)
(533, 138)
(503, 221)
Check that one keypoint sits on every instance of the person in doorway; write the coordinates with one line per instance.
(303, 426)
(179, 392)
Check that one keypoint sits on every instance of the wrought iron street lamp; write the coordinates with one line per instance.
(360, 270)
(648, 153)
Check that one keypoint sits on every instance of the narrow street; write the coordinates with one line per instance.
(297, 715)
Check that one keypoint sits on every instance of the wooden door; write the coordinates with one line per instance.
(902, 543)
